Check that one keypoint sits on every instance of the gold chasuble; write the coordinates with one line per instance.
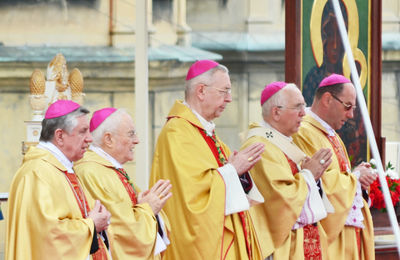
(134, 225)
(44, 218)
(199, 228)
(340, 187)
(285, 192)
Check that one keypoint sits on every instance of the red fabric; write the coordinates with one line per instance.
(358, 237)
(311, 243)
(127, 184)
(214, 149)
(293, 165)
(80, 197)
(340, 154)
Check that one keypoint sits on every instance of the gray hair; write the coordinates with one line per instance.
(110, 124)
(204, 78)
(67, 123)
(276, 100)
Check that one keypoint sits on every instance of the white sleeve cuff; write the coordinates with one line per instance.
(235, 197)
(315, 204)
(161, 242)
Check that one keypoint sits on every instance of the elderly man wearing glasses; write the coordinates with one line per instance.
(287, 223)
(140, 230)
(349, 228)
(208, 212)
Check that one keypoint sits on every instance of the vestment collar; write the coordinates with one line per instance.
(325, 125)
(209, 126)
(106, 156)
(265, 124)
(56, 152)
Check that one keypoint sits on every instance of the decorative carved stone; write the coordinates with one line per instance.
(58, 84)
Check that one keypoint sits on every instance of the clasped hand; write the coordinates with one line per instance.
(318, 163)
(157, 196)
(100, 216)
(246, 158)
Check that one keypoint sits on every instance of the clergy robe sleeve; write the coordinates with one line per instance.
(339, 186)
(44, 220)
(134, 227)
(199, 191)
(284, 194)
(236, 199)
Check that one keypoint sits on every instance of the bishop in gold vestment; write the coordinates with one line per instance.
(49, 215)
(349, 228)
(137, 233)
(134, 225)
(287, 223)
(207, 211)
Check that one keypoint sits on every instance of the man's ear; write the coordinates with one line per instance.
(326, 99)
(108, 139)
(276, 113)
(200, 91)
(59, 137)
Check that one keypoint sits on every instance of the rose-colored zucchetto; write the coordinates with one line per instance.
(99, 116)
(333, 79)
(271, 89)
(61, 108)
(199, 67)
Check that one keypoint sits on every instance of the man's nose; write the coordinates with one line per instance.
(350, 113)
(89, 138)
(228, 97)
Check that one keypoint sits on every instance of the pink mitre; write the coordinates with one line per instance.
(99, 116)
(199, 67)
(61, 108)
(334, 79)
(271, 89)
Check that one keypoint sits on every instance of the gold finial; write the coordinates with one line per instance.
(76, 81)
(37, 83)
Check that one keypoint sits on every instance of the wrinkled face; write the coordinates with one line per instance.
(338, 113)
(292, 112)
(76, 142)
(124, 140)
(217, 96)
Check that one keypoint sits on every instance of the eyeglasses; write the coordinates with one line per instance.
(132, 134)
(225, 92)
(347, 107)
(299, 107)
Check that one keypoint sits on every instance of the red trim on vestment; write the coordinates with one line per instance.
(209, 140)
(127, 184)
(312, 244)
(358, 238)
(339, 151)
(80, 197)
(311, 241)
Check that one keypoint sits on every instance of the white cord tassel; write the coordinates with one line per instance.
(367, 122)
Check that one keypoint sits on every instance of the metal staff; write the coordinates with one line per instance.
(367, 122)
